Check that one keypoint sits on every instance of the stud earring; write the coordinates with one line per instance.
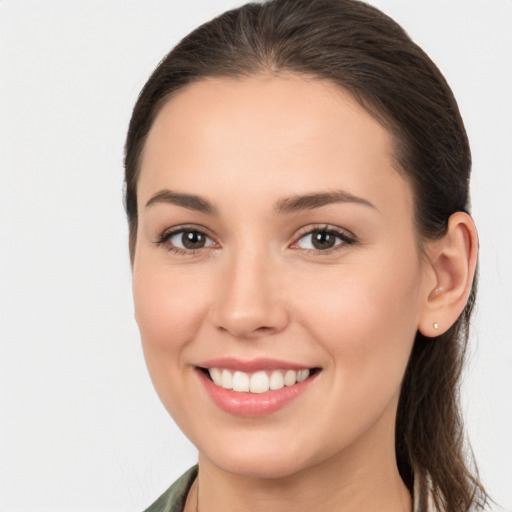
(436, 326)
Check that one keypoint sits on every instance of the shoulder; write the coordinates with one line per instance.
(173, 500)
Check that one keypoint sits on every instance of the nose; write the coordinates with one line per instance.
(249, 301)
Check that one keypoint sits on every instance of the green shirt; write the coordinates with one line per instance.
(173, 500)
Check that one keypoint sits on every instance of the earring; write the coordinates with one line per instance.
(436, 326)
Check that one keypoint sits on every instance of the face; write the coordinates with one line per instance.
(276, 254)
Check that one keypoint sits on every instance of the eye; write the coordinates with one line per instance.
(184, 240)
(323, 239)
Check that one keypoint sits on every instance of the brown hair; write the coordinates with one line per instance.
(366, 53)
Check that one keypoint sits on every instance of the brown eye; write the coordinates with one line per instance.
(190, 240)
(324, 240)
(193, 239)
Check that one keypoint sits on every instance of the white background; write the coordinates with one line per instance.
(81, 428)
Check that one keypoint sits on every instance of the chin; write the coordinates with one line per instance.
(259, 458)
(260, 467)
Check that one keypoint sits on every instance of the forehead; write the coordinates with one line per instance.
(270, 134)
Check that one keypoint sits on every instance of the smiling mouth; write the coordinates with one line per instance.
(257, 382)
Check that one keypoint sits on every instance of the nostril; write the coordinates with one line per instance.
(249, 319)
(244, 330)
(263, 329)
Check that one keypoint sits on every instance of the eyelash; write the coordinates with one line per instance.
(345, 237)
(165, 237)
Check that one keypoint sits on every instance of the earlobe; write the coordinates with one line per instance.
(453, 261)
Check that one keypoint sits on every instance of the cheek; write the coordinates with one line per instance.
(366, 321)
(167, 305)
(169, 308)
(348, 300)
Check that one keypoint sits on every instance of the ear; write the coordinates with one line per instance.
(452, 260)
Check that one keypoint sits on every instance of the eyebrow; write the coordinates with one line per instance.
(286, 205)
(311, 201)
(189, 201)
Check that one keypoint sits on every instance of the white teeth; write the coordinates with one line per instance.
(257, 382)
(226, 379)
(290, 378)
(216, 376)
(240, 381)
(276, 380)
(302, 375)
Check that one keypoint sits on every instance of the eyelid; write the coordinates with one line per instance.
(344, 235)
(164, 237)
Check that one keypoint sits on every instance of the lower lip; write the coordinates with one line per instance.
(253, 404)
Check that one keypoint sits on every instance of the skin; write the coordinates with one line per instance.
(258, 289)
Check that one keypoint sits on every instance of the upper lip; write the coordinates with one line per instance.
(252, 365)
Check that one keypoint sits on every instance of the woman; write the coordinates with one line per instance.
(303, 262)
